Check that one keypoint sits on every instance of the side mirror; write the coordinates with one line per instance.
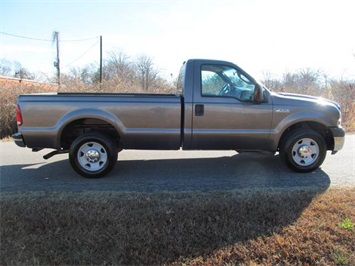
(258, 94)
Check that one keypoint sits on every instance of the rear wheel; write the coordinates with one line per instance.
(93, 155)
(303, 150)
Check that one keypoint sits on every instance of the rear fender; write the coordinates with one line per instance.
(89, 113)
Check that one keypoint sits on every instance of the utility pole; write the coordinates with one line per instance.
(57, 62)
(100, 61)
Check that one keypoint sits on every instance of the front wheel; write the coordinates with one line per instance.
(303, 150)
(93, 155)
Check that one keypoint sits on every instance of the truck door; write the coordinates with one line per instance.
(225, 114)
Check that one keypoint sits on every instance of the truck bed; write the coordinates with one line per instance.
(144, 121)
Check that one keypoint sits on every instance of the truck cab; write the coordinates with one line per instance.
(225, 108)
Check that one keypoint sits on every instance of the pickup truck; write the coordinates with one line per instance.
(220, 107)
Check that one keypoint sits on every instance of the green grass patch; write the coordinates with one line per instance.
(245, 227)
(347, 224)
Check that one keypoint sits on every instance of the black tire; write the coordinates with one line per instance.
(93, 155)
(303, 150)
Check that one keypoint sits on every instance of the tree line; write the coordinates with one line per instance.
(121, 73)
(317, 83)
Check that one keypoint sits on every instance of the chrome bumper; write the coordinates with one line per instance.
(339, 138)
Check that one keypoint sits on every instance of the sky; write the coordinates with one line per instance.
(272, 36)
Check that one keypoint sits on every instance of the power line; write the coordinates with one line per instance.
(24, 37)
(46, 40)
(82, 54)
(81, 40)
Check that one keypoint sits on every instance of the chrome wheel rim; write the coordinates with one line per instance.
(305, 152)
(92, 156)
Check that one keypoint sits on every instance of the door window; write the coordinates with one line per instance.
(225, 81)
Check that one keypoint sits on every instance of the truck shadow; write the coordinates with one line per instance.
(241, 171)
(221, 202)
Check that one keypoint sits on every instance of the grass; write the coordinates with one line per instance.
(281, 227)
(347, 224)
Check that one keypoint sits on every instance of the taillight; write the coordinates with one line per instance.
(18, 116)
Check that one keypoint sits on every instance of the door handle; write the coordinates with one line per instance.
(199, 110)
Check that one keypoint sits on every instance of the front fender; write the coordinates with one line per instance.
(297, 118)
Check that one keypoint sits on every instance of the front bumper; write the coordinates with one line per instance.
(339, 138)
(18, 138)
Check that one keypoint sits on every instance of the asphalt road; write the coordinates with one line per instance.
(159, 171)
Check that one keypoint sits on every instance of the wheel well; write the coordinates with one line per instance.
(321, 129)
(81, 126)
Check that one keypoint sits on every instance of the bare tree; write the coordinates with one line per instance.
(22, 72)
(146, 71)
(290, 82)
(310, 81)
(305, 81)
(271, 82)
(15, 69)
(5, 67)
(119, 66)
(80, 74)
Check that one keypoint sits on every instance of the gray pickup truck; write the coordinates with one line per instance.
(221, 107)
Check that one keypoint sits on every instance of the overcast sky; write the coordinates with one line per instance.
(259, 36)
